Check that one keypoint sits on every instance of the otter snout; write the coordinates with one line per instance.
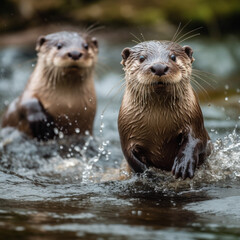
(74, 55)
(159, 69)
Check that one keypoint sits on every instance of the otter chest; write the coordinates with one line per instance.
(72, 106)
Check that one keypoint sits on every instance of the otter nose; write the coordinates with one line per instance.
(159, 69)
(75, 55)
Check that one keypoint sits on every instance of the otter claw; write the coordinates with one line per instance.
(184, 167)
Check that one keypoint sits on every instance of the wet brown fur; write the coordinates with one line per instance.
(155, 120)
(60, 90)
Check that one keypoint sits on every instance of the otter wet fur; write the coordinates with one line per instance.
(160, 121)
(60, 94)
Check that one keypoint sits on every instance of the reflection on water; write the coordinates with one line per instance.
(69, 188)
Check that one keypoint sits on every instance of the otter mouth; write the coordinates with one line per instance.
(73, 68)
(159, 84)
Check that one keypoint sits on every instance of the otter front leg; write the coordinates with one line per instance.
(187, 158)
(40, 122)
(136, 157)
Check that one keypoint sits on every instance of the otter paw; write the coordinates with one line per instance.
(40, 126)
(184, 167)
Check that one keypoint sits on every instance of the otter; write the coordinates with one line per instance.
(60, 94)
(160, 121)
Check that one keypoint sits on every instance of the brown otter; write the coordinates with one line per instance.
(60, 94)
(160, 121)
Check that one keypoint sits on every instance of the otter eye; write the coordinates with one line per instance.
(85, 45)
(173, 57)
(141, 58)
(59, 46)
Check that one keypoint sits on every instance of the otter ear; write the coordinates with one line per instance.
(95, 42)
(188, 50)
(125, 54)
(41, 40)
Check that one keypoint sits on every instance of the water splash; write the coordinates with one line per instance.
(85, 161)
(68, 159)
(222, 168)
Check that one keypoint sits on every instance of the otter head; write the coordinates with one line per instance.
(157, 64)
(67, 50)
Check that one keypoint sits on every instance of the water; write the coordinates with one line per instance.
(81, 190)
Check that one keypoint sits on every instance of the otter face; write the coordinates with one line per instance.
(68, 50)
(157, 64)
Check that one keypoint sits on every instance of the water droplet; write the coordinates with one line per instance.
(77, 148)
(77, 130)
(61, 135)
(226, 86)
(85, 108)
(101, 116)
(55, 131)
(87, 133)
(61, 147)
(226, 98)
(101, 148)
(33, 65)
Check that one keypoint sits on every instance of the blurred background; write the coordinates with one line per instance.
(217, 17)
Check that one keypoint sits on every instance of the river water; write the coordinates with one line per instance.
(68, 190)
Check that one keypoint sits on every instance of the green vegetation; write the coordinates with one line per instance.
(19, 14)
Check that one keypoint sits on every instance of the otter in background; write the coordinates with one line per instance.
(160, 121)
(60, 94)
